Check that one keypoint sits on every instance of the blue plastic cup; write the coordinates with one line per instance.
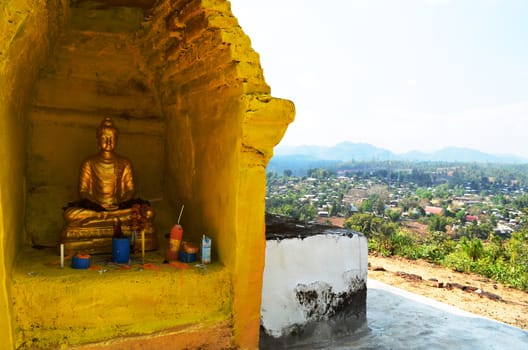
(80, 262)
(121, 250)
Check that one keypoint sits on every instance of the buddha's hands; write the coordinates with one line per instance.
(103, 215)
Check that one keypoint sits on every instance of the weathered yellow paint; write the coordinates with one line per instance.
(6, 331)
(208, 150)
(25, 35)
(198, 336)
(229, 125)
(264, 124)
(54, 306)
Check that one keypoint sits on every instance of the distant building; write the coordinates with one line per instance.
(503, 231)
(471, 218)
(430, 210)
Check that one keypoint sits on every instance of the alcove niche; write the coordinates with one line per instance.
(196, 118)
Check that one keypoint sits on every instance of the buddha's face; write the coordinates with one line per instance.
(107, 140)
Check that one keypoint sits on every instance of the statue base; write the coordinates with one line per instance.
(98, 240)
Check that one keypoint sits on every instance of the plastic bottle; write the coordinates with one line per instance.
(176, 235)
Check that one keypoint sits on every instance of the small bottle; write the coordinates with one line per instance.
(206, 249)
(176, 235)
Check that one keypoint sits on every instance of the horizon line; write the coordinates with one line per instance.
(424, 151)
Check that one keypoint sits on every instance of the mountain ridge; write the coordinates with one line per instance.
(349, 151)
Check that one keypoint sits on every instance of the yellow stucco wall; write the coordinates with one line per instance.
(56, 307)
(26, 30)
(90, 74)
(207, 124)
(220, 126)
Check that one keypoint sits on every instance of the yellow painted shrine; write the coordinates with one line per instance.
(197, 121)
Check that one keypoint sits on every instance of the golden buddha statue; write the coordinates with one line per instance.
(106, 189)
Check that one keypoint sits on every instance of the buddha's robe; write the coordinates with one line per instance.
(107, 182)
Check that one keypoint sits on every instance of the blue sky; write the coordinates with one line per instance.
(398, 74)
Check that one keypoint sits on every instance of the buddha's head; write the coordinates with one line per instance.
(107, 135)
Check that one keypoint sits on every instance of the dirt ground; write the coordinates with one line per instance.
(469, 292)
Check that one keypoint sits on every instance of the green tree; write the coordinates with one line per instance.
(521, 202)
(373, 204)
(370, 225)
(366, 206)
(424, 193)
(516, 249)
(461, 216)
(459, 190)
(407, 203)
(334, 208)
(472, 247)
(442, 191)
(475, 230)
(499, 199)
(359, 222)
(307, 213)
(393, 215)
(437, 223)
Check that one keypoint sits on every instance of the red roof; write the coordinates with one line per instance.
(472, 218)
(433, 210)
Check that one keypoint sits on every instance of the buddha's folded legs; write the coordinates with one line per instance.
(97, 240)
(91, 231)
(86, 217)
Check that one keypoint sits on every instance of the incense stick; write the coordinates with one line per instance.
(181, 212)
(143, 246)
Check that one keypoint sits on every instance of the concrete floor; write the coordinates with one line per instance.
(397, 319)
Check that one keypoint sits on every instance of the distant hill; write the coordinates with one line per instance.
(298, 164)
(463, 155)
(344, 151)
(348, 151)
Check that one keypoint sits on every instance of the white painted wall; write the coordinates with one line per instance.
(317, 262)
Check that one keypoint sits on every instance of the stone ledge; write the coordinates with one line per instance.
(199, 336)
(54, 306)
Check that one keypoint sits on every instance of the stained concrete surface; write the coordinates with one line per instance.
(397, 319)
